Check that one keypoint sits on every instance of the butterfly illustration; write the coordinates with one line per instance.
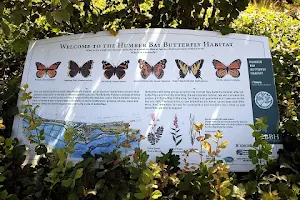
(42, 70)
(154, 138)
(223, 70)
(157, 69)
(194, 68)
(119, 71)
(85, 70)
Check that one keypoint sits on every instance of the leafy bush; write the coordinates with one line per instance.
(110, 176)
(284, 38)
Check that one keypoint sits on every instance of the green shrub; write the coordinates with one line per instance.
(284, 38)
(109, 176)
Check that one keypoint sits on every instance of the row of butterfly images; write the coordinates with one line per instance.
(146, 69)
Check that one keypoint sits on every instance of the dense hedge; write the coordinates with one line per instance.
(284, 35)
(108, 176)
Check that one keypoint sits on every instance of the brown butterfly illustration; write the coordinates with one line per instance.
(42, 70)
(223, 70)
(119, 70)
(85, 70)
(157, 69)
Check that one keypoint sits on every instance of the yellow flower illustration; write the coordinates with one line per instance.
(198, 127)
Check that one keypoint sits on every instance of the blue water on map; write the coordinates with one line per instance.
(99, 140)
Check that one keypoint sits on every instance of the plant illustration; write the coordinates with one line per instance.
(156, 133)
(175, 131)
(191, 130)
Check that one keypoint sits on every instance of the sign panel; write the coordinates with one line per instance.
(160, 81)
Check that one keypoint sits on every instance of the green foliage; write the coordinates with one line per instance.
(284, 38)
(110, 176)
(261, 148)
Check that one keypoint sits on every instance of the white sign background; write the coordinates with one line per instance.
(241, 47)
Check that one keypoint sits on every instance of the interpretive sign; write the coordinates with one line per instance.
(160, 81)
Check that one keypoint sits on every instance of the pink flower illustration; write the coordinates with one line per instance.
(153, 117)
(175, 122)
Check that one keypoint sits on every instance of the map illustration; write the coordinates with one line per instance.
(94, 138)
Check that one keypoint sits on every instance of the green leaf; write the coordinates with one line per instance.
(140, 195)
(147, 176)
(67, 183)
(99, 185)
(73, 196)
(61, 16)
(225, 184)
(75, 2)
(5, 28)
(225, 192)
(64, 3)
(8, 142)
(156, 194)
(256, 134)
(239, 191)
(20, 45)
(2, 139)
(254, 160)
(62, 157)
(12, 197)
(16, 18)
(251, 187)
(2, 178)
(252, 126)
(78, 173)
(69, 164)
(55, 2)
(1, 8)
(3, 194)
(100, 4)
(251, 153)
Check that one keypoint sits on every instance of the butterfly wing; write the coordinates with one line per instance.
(158, 68)
(51, 71)
(41, 70)
(195, 68)
(184, 68)
(220, 67)
(109, 69)
(146, 69)
(73, 68)
(120, 73)
(85, 70)
(233, 68)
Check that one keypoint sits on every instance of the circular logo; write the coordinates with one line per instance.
(263, 100)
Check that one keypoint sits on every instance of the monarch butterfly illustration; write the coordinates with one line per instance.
(42, 70)
(223, 70)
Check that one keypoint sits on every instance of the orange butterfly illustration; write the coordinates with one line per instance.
(157, 69)
(223, 70)
(42, 70)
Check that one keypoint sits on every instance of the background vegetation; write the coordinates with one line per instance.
(130, 177)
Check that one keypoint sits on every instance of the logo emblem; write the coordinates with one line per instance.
(263, 100)
(228, 159)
